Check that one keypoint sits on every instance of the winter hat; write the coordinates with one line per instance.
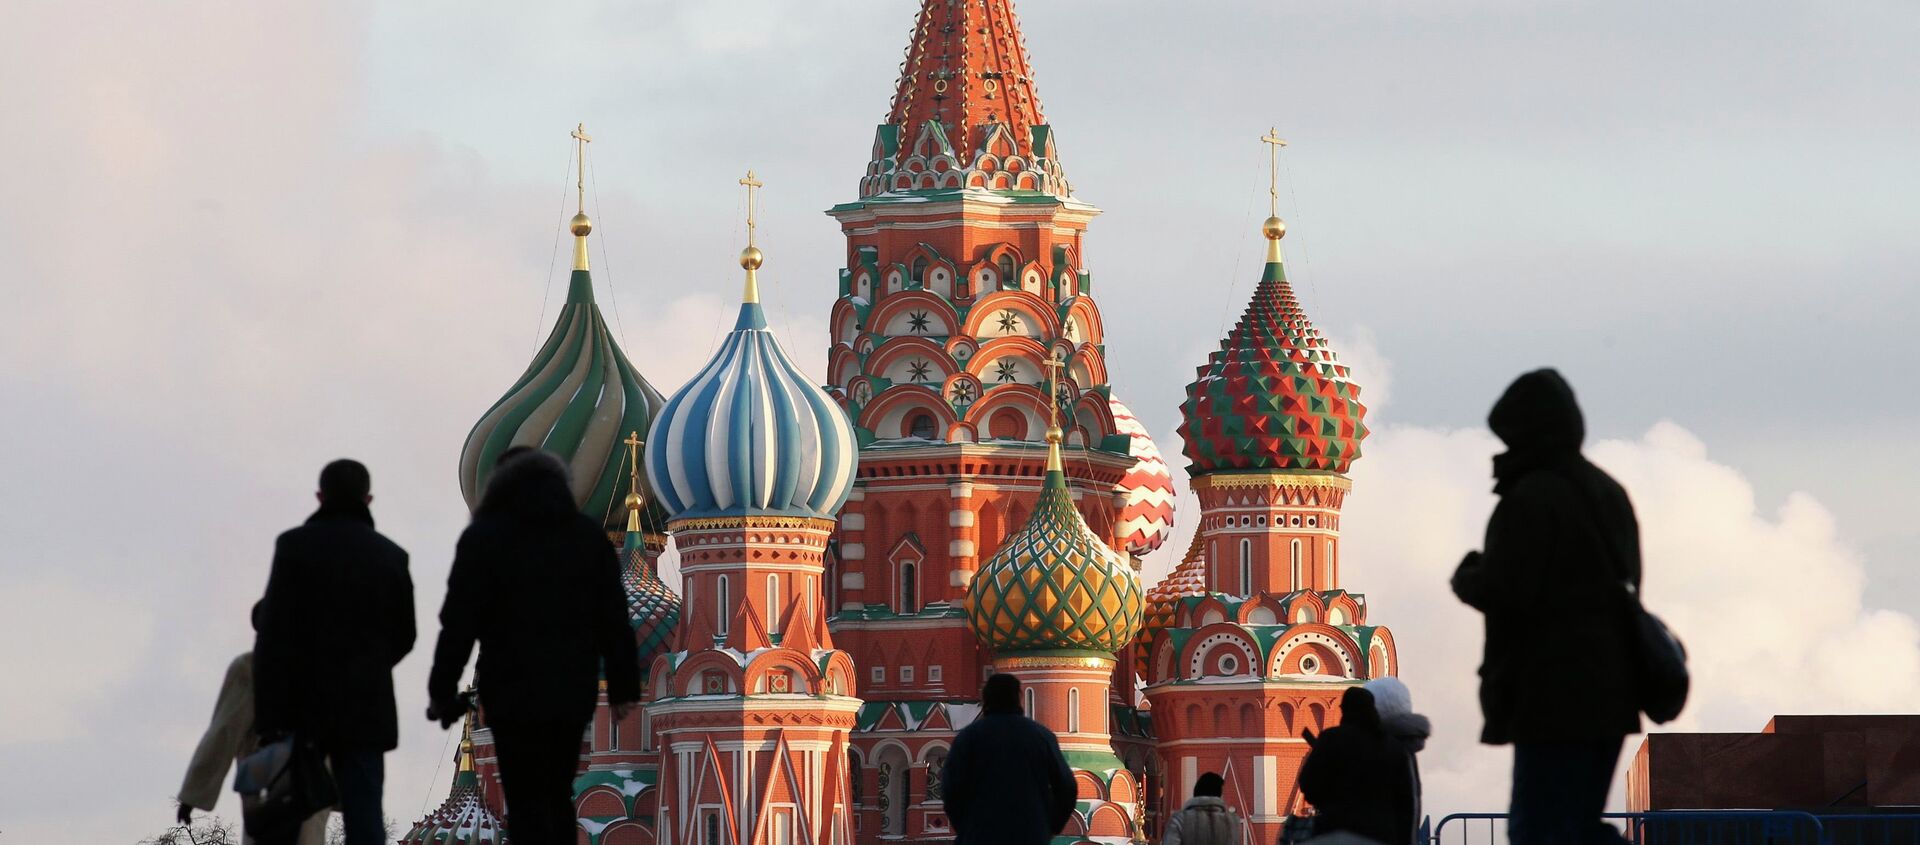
(1391, 697)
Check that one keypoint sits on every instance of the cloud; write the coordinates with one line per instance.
(53, 693)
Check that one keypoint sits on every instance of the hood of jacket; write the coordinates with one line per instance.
(1412, 729)
(1199, 802)
(530, 487)
(1539, 420)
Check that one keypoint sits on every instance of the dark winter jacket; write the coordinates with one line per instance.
(1409, 731)
(1356, 777)
(1006, 782)
(338, 615)
(537, 584)
(1558, 662)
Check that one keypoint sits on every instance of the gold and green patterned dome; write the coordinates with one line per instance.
(1054, 584)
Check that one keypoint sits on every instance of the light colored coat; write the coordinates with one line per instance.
(230, 737)
(1205, 820)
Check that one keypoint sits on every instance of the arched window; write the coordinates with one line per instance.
(909, 588)
(1031, 712)
(853, 774)
(922, 426)
(936, 765)
(920, 270)
(1246, 567)
(720, 603)
(1006, 271)
(773, 604)
(1294, 552)
(1073, 710)
(713, 828)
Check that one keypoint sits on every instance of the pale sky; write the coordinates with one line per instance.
(238, 240)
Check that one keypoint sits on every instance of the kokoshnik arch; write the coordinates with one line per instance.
(964, 494)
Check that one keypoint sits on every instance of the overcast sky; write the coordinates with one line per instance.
(240, 239)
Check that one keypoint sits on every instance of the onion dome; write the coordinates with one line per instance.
(1163, 599)
(751, 434)
(1274, 397)
(1053, 584)
(652, 607)
(1146, 511)
(462, 819)
(577, 399)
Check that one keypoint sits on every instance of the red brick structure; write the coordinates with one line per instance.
(1820, 763)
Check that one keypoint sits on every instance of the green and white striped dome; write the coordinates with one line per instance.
(578, 399)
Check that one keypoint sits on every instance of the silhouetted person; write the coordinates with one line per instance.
(339, 615)
(1409, 730)
(1557, 679)
(1205, 820)
(1356, 777)
(537, 584)
(230, 737)
(1006, 780)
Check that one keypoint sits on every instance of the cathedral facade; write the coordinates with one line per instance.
(960, 493)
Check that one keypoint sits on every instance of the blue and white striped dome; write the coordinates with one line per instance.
(751, 435)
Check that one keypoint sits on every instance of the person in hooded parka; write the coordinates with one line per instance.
(1562, 554)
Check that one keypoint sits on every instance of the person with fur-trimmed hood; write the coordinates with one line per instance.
(1410, 730)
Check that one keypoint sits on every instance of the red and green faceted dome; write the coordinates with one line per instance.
(1274, 397)
(652, 607)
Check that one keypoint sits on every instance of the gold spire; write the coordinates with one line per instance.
(463, 758)
(581, 224)
(634, 500)
(1274, 228)
(1053, 364)
(750, 258)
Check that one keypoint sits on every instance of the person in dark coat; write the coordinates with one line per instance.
(1557, 676)
(338, 615)
(1205, 819)
(537, 584)
(1355, 777)
(1006, 782)
(1409, 731)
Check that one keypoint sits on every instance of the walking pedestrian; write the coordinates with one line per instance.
(230, 737)
(1557, 675)
(1355, 776)
(1205, 820)
(536, 584)
(338, 616)
(1409, 731)
(1006, 782)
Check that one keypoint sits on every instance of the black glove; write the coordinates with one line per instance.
(185, 816)
(445, 712)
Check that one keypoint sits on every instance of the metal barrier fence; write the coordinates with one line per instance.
(1713, 827)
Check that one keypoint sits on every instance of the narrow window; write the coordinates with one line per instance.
(713, 828)
(1294, 552)
(1246, 567)
(909, 588)
(773, 604)
(720, 602)
(1006, 270)
(1333, 568)
(1031, 712)
(1073, 710)
(920, 270)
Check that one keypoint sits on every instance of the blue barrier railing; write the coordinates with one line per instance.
(1713, 827)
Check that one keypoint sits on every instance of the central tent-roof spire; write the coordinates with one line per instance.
(967, 68)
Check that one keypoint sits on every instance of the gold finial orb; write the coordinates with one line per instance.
(1274, 228)
(751, 258)
(581, 225)
(634, 501)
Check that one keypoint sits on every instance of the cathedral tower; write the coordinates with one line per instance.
(1251, 639)
(753, 705)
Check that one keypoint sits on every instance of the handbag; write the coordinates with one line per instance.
(283, 784)
(1660, 663)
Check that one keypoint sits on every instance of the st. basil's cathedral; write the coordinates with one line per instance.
(964, 495)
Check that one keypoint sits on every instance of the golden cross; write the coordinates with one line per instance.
(633, 458)
(581, 140)
(1053, 364)
(1274, 142)
(751, 184)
